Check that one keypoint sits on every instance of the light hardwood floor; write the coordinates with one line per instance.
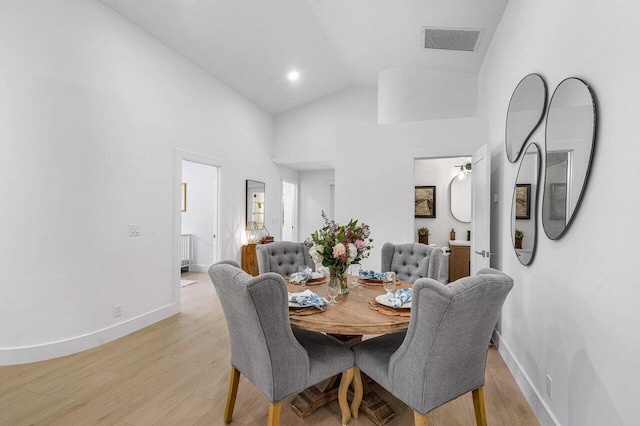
(176, 372)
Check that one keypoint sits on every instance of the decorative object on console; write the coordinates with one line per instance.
(571, 130)
(338, 246)
(252, 232)
(526, 110)
(423, 235)
(425, 202)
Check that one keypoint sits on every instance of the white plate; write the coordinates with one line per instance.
(382, 299)
(316, 275)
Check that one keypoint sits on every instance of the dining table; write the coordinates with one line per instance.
(357, 314)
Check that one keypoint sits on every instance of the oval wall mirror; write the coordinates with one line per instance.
(524, 229)
(571, 137)
(525, 112)
(460, 197)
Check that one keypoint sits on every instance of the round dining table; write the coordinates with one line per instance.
(349, 320)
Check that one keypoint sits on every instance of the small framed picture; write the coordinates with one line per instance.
(523, 201)
(184, 197)
(425, 202)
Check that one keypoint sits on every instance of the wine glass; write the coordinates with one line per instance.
(355, 274)
(334, 289)
(304, 274)
(389, 282)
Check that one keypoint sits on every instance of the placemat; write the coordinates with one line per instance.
(317, 281)
(304, 311)
(388, 311)
(372, 283)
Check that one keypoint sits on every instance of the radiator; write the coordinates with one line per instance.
(186, 250)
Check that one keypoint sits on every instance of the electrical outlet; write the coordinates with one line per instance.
(549, 387)
(117, 310)
(134, 230)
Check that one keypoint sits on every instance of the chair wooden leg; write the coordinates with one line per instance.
(274, 413)
(347, 376)
(478, 405)
(357, 392)
(419, 419)
(231, 396)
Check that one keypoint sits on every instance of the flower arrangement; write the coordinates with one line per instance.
(338, 246)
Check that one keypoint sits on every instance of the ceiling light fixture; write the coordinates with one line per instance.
(293, 75)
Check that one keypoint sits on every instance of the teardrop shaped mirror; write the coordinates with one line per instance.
(571, 140)
(524, 208)
(526, 109)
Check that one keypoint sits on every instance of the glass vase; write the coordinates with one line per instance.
(340, 276)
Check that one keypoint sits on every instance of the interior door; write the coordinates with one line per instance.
(481, 210)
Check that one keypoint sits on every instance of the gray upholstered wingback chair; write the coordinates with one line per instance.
(283, 257)
(443, 353)
(412, 261)
(277, 359)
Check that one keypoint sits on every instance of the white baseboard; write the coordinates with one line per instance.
(199, 268)
(534, 398)
(50, 350)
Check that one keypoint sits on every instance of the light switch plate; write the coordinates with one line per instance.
(134, 230)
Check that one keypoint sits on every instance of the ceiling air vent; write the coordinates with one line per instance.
(465, 40)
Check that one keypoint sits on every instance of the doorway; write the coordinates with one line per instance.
(199, 221)
(289, 221)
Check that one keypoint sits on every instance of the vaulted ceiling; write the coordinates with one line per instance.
(251, 45)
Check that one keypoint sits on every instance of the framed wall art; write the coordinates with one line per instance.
(425, 202)
(523, 201)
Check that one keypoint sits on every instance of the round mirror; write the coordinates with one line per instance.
(526, 109)
(570, 134)
(524, 229)
(460, 197)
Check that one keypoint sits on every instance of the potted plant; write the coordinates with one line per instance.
(423, 235)
(519, 235)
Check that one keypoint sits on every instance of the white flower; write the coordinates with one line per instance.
(316, 253)
(353, 252)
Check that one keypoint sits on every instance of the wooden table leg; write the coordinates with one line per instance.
(314, 397)
(376, 409)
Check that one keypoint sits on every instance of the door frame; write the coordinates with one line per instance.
(423, 154)
(296, 205)
(179, 156)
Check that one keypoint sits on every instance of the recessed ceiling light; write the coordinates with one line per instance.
(293, 75)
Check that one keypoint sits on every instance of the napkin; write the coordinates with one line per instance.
(296, 278)
(371, 275)
(400, 297)
(308, 298)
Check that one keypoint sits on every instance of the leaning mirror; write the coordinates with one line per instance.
(524, 229)
(526, 109)
(570, 133)
(255, 203)
(460, 197)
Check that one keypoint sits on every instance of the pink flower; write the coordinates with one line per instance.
(339, 251)
(360, 244)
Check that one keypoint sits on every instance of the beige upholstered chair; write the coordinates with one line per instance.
(412, 261)
(443, 353)
(277, 359)
(283, 257)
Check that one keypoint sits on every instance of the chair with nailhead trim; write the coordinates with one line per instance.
(283, 257)
(412, 261)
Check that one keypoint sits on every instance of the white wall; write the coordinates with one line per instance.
(414, 94)
(439, 172)
(315, 196)
(199, 219)
(307, 134)
(573, 314)
(93, 109)
(378, 188)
